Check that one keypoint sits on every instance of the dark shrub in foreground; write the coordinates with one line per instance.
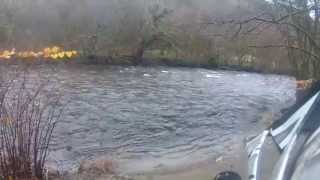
(27, 119)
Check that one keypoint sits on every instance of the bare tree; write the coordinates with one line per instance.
(298, 22)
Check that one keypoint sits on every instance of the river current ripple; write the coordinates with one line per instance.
(159, 116)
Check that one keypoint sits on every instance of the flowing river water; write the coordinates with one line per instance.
(147, 118)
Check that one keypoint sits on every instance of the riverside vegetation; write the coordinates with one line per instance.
(177, 33)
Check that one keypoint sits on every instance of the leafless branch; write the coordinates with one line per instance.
(27, 121)
(289, 47)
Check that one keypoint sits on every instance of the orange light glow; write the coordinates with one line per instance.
(55, 53)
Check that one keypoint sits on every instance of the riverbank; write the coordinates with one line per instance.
(206, 63)
(149, 62)
(205, 170)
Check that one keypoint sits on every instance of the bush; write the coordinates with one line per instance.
(27, 119)
(214, 61)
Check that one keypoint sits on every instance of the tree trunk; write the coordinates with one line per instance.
(139, 54)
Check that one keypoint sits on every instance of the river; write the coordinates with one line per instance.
(148, 118)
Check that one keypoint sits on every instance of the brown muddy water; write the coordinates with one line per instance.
(152, 118)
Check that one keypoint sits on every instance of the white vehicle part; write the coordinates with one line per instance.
(283, 134)
(254, 147)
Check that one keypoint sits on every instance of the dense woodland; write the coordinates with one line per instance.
(278, 36)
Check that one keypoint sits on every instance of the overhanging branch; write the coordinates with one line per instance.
(288, 47)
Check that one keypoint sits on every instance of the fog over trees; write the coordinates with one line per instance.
(196, 32)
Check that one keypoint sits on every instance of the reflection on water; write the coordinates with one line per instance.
(160, 116)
